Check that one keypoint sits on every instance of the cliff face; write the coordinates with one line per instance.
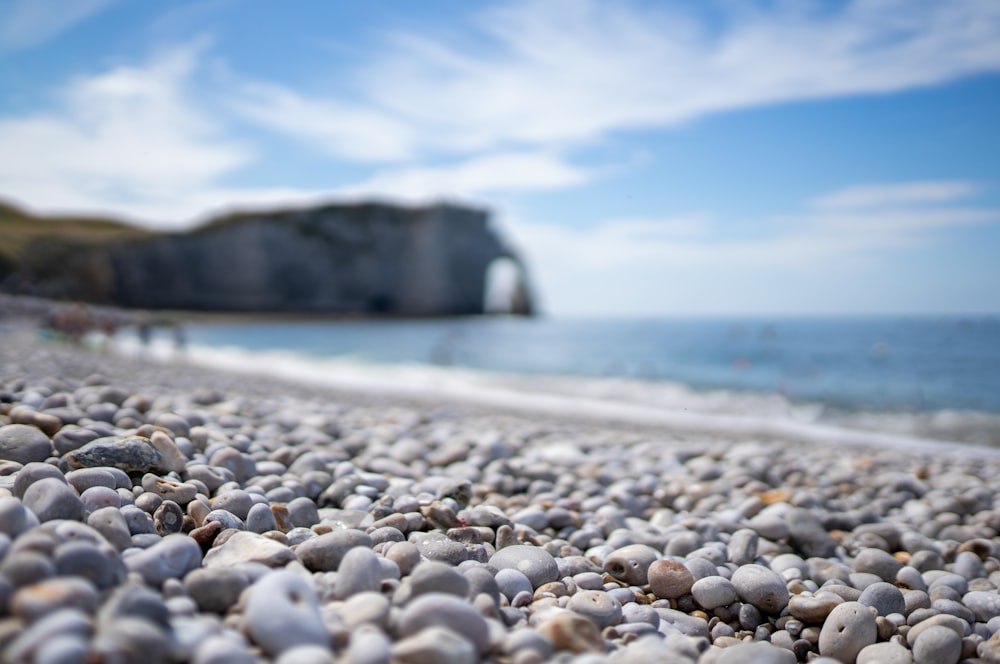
(369, 258)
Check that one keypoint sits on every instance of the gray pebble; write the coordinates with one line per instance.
(808, 535)
(985, 605)
(24, 444)
(511, 582)
(434, 645)
(761, 587)
(15, 519)
(631, 563)
(877, 562)
(31, 473)
(432, 576)
(226, 519)
(368, 645)
(310, 654)
(599, 607)
(63, 622)
(216, 589)
(755, 653)
(937, 645)
(359, 572)
(884, 653)
(282, 613)
(534, 562)
(110, 523)
(303, 513)
(441, 610)
(260, 519)
(98, 563)
(884, 597)
(244, 547)
(171, 558)
(217, 649)
(63, 649)
(742, 547)
(324, 552)
(713, 592)
(132, 454)
(849, 628)
(366, 608)
(50, 498)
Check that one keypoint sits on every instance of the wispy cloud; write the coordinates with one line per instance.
(131, 140)
(562, 73)
(26, 23)
(674, 262)
(879, 195)
(471, 178)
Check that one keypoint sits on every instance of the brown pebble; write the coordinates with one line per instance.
(555, 588)
(282, 518)
(573, 633)
(205, 535)
(776, 496)
(669, 579)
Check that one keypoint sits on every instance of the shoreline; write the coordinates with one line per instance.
(410, 528)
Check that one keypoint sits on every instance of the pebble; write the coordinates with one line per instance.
(712, 592)
(324, 553)
(171, 558)
(244, 547)
(884, 597)
(631, 563)
(937, 645)
(884, 653)
(849, 628)
(282, 612)
(215, 590)
(755, 653)
(409, 534)
(432, 576)
(761, 587)
(569, 632)
(534, 562)
(359, 572)
(880, 563)
(669, 579)
(985, 605)
(132, 454)
(448, 611)
(600, 608)
(434, 645)
(50, 498)
(24, 444)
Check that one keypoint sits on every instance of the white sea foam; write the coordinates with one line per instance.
(663, 404)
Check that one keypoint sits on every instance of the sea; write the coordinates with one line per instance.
(890, 379)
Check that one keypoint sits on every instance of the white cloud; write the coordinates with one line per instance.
(26, 23)
(877, 195)
(561, 73)
(471, 178)
(683, 265)
(130, 141)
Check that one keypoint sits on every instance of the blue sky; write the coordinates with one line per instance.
(647, 158)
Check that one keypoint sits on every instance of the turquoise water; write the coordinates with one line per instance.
(910, 365)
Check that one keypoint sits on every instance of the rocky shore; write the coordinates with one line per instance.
(155, 514)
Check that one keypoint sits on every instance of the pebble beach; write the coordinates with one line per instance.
(153, 513)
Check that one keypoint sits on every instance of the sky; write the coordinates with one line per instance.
(804, 157)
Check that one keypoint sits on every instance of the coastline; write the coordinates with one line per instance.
(759, 523)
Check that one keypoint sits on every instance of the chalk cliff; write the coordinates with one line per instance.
(352, 259)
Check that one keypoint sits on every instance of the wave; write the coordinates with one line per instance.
(598, 399)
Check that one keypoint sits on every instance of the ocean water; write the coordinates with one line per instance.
(923, 377)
